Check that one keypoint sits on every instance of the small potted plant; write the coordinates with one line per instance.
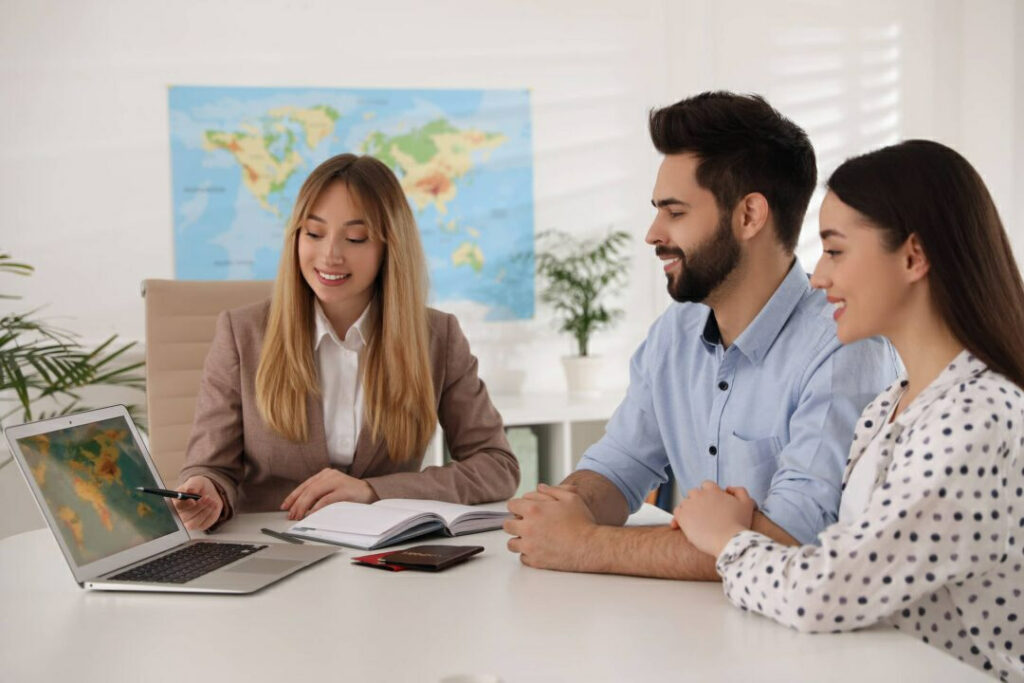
(578, 276)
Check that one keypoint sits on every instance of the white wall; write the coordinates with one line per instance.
(1016, 217)
(861, 75)
(967, 93)
(84, 151)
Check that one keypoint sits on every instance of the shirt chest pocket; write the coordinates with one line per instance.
(750, 463)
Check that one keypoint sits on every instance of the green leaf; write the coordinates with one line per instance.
(43, 363)
(578, 275)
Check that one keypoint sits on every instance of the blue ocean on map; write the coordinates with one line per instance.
(464, 158)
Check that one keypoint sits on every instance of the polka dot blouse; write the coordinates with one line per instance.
(938, 551)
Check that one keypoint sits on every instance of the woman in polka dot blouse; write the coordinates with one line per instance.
(930, 534)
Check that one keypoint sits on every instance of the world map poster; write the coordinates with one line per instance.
(463, 157)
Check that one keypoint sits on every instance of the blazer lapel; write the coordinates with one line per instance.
(314, 451)
(367, 454)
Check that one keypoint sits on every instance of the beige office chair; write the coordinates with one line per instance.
(180, 320)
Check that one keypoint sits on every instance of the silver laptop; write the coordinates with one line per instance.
(84, 471)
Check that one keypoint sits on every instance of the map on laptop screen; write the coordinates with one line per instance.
(87, 475)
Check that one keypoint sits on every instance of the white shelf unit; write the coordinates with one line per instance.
(565, 426)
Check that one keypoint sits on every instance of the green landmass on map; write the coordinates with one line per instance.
(267, 154)
(429, 160)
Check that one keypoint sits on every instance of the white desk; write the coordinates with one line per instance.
(339, 622)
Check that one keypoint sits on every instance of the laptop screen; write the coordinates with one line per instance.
(87, 475)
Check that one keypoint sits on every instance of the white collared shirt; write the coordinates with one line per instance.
(339, 363)
(862, 479)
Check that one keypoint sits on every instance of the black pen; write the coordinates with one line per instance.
(180, 495)
(281, 536)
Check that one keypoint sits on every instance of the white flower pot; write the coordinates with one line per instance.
(583, 374)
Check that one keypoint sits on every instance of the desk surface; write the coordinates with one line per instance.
(490, 616)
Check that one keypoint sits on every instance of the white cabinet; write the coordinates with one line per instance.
(565, 426)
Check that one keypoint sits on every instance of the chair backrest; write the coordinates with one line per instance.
(180, 321)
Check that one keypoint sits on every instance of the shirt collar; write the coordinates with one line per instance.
(964, 368)
(355, 338)
(761, 333)
(875, 417)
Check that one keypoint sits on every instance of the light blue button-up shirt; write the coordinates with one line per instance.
(773, 413)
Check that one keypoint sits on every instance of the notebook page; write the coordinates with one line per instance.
(356, 518)
(450, 512)
(371, 542)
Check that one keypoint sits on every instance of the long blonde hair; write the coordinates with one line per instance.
(397, 382)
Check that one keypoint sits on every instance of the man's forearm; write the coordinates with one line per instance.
(658, 552)
(763, 525)
(606, 502)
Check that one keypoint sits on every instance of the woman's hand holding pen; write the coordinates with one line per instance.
(710, 516)
(323, 488)
(199, 515)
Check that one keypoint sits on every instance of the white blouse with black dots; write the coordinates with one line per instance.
(939, 549)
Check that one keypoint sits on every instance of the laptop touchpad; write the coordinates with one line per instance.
(258, 565)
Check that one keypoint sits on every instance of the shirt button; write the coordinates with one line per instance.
(723, 385)
(713, 451)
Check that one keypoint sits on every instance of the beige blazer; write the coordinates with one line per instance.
(256, 468)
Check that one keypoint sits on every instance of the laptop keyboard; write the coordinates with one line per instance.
(190, 562)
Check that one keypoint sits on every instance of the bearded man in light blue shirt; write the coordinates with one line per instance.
(742, 382)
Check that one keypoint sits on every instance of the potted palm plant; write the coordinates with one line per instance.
(43, 369)
(578, 276)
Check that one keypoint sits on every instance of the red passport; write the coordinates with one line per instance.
(377, 561)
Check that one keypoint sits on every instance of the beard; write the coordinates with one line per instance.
(706, 267)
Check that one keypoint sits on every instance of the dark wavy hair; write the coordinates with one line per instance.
(925, 188)
(744, 145)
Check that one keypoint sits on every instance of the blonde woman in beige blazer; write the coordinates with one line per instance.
(331, 390)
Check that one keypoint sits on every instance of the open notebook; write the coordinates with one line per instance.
(394, 520)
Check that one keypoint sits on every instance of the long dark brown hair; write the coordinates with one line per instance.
(924, 188)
